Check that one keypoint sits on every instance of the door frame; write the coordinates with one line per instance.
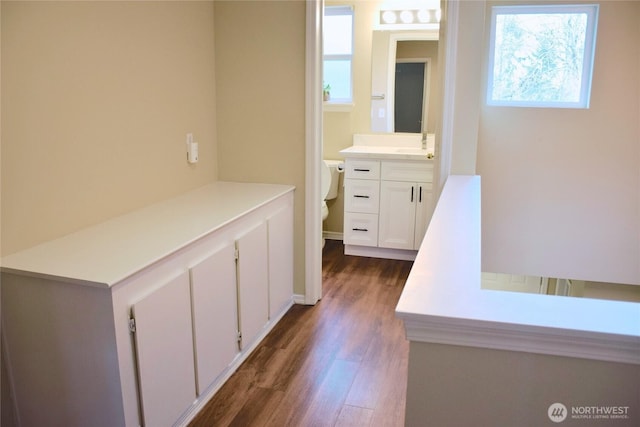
(313, 152)
(426, 91)
(313, 130)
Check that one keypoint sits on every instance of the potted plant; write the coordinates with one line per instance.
(326, 89)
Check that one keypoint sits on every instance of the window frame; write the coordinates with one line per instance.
(341, 10)
(591, 10)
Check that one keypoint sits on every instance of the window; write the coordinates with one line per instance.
(338, 52)
(541, 56)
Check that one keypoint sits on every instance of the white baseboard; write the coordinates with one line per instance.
(376, 252)
(332, 235)
(298, 299)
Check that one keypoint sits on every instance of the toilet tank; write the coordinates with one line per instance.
(335, 167)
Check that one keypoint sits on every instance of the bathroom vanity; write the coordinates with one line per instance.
(388, 190)
(139, 320)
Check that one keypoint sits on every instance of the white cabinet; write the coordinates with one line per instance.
(404, 214)
(226, 296)
(68, 307)
(280, 229)
(361, 202)
(424, 211)
(215, 314)
(253, 288)
(388, 206)
(405, 204)
(164, 347)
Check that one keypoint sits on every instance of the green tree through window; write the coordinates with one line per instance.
(541, 55)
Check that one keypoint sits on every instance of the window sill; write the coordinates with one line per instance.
(337, 107)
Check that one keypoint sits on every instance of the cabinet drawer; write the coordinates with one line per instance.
(398, 170)
(361, 195)
(360, 229)
(362, 169)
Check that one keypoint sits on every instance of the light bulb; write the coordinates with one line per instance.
(389, 17)
(406, 16)
(424, 16)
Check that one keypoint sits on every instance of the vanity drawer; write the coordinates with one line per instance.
(360, 229)
(361, 195)
(403, 170)
(362, 169)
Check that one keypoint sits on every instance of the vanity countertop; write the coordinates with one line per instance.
(397, 146)
(391, 153)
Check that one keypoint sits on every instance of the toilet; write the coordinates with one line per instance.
(330, 176)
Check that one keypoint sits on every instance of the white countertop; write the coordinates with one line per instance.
(391, 153)
(393, 146)
(126, 244)
(443, 302)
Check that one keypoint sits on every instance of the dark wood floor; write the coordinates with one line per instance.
(342, 362)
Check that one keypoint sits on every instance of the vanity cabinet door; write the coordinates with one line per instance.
(405, 211)
(424, 207)
(215, 314)
(397, 214)
(164, 346)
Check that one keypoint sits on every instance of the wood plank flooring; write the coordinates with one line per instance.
(342, 362)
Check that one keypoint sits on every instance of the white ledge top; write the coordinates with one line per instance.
(443, 302)
(128, 243)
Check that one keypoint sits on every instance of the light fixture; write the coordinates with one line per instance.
(409, 18)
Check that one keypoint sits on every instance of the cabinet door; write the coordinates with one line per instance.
(280, 227)
(397, 215)
(253, 282)
(215, 314)
(164, 345)
(424, 206)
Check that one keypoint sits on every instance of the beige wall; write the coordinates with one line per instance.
(460, 386)
(97, 98)
(260, 84)
(339, 127)
(561, 187)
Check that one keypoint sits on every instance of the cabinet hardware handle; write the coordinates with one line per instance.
(360, 229)
(412, 188)
(360, 196)
(420, 196)
(362, 170)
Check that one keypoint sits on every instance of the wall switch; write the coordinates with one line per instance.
(192, 149)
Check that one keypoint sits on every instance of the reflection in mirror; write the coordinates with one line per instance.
(404, 76)
(560, 287)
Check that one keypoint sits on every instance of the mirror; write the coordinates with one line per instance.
(404, 63)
